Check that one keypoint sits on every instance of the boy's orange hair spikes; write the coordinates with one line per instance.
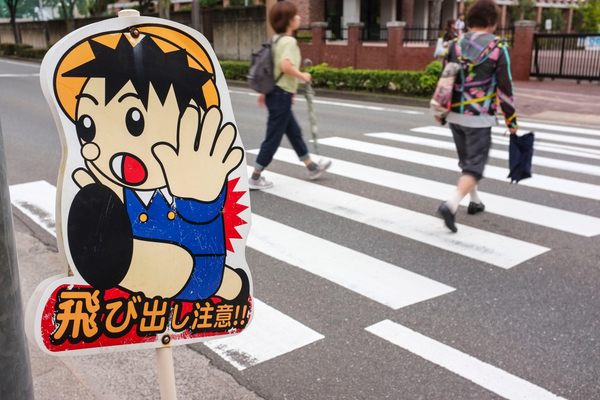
(168, 39)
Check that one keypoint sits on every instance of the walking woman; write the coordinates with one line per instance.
(484, 81)
(284, 19)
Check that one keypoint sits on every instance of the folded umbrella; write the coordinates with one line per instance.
(312, 118)
(520, 156)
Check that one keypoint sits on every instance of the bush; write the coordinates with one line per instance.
(410, 83)
(235, 70)
(31, 53)
(21, 50)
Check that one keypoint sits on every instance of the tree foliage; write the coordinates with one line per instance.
(589, 16)
(524, 10)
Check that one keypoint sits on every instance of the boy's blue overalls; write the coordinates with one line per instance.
(191, 224)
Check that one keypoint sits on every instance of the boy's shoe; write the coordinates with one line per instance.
(322, 166)
(259, 184)
(444, 212)
(475, 208)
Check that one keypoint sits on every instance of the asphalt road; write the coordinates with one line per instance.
(509, 329)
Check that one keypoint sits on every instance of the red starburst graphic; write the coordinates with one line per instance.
(231, 212)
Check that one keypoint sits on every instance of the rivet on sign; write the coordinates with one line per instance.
(166, 339)
(135, 33)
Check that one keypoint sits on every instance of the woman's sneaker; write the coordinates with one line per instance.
(259, 184)
(322, 166)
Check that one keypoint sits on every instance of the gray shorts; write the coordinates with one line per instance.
(473, 146)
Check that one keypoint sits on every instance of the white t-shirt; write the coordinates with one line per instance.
(459, 25)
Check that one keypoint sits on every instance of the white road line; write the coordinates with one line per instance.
(555, 137)
(19, 75)
(270, 334)
(561, 128)
(566, 221)
(469, 242)
(22, 64)
(483, 374)
(582, 152)
(559, 185)
(341, 104)
(380, 281)
(494, 153)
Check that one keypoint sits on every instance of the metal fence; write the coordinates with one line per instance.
(416, 36)
(424, 36)
(427, 36)
(570, 56)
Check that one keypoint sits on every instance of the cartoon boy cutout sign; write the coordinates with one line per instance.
(148, 208)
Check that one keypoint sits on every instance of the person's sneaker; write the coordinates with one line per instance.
(444, 212)
(322, 166)
(475, 208)
(259, 184)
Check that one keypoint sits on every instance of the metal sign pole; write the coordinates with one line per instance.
(15, 379)
(166, 372)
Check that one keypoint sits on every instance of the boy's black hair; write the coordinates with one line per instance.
(483, 14)
(144, 64)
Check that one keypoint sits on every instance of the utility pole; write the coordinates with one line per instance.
(15, 379)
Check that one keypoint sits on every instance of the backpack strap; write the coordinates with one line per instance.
(490, 95)
(273, 43)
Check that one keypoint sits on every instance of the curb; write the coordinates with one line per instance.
(357, 96)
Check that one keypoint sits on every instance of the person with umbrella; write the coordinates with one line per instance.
(284, 19)
(483, 81)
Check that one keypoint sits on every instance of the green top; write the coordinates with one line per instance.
(286, 47)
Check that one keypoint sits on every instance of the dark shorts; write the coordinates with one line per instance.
(473, 146)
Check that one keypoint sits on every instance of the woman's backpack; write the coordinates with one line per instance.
(261, 74)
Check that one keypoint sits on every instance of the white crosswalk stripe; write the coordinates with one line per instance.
(570, 150)
(558, 185)
(502, 155)
(560, 128)
(472, 242)
(388, 284)
(270, 334)
(581, 152)
(485, 375)
(555, 218)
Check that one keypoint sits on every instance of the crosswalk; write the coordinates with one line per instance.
(274, 334)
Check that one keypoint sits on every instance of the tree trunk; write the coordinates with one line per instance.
(15, 29)
(197, 16)
(164, 9)
(12, 10)
(435, 16)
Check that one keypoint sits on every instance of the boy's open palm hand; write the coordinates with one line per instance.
(204, 157)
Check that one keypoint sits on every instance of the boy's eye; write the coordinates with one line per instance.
(86, 128)
(135, 121)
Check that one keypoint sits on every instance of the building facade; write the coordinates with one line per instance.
(418, 14)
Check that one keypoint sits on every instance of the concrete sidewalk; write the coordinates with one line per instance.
(562, 101)
(113, 376)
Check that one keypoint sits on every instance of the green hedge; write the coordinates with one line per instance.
(235, 70)
(21, 50)
(410, 83)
